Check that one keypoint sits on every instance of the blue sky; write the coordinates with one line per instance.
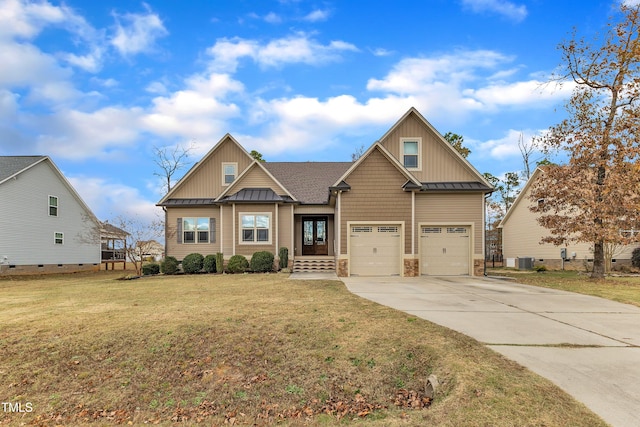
(97, 84)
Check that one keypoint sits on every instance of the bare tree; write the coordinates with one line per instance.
(139, 239)
(596, 195)
(527, 149)
(358, 152)
(170, 161)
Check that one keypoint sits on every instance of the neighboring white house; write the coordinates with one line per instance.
(44, 224)
(522, 234)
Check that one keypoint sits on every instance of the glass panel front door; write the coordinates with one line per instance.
(314, 236)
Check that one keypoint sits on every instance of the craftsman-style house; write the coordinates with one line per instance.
(410, 205)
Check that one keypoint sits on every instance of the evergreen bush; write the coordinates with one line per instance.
(193, 263)
(635, 258)
(169, 265)
(261, 262)
(149, 269)
(284, 258)
(237, 264)
(209, 264)
(219, 262)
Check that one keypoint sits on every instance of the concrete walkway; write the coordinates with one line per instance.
(588, 346)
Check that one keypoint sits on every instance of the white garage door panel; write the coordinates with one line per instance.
(444, 250)
(375, 250)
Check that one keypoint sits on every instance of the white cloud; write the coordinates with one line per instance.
(505, 147)
(272, 18)
(505, 8)
(317, 15)
(297, 48)
(74, 134)
(199, 111)
(138, 34)
(109, 200)
(522, 93)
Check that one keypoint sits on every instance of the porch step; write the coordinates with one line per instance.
(314, 265)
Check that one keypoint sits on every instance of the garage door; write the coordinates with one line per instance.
(375, 250)
(444, 251)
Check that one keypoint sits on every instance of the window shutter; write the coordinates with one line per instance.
(212, 230)
(179, 228)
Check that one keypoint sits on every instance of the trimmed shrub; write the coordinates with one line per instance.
(219, 262)
(193, 263)
(209, 264)
(261, 262)
(635, 258)
(169, 265)
(151, 268)
(237, 264)
(284, 258)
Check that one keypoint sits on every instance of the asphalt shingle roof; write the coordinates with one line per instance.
(11, 165)
(308, 182)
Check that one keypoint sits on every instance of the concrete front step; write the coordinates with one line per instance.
(314, 265)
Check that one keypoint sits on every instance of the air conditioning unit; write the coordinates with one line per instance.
(525, 263)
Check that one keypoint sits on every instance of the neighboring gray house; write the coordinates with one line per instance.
(44, 224)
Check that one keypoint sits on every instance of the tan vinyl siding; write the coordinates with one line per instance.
(438, 162)
(180, 250)
(376, 195)
(284, 229)
(453, 208)
(206, 181)
(521, 236)
(257, 178)
(227, 231)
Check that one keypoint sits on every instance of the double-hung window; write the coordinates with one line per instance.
(58, 238)
(195, 230)
(255, 228)
(229, 173)
(53, 206)
(411, 151)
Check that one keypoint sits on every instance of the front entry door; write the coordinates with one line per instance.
(314, 236)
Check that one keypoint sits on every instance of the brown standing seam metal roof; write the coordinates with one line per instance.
(455, 186)
(309, 182)
(254, 195)
(189, 202)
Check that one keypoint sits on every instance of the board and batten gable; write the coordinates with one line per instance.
(27, 231)
(438, 161)
(205, 179)
(376, 194)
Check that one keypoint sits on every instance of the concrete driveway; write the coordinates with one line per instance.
(588, 346)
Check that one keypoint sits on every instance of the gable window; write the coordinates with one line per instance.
(255, 228)
(58, 238)
(411, 150)
(229, 173)
(53, 206)
(196, 230)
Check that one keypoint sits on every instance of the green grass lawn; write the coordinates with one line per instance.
(248, 350)
(625, 289)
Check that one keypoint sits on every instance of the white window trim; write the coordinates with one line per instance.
(255, 242)
(235, 176)
(417, 139)
(55, 238)
(57, 206)
(195, 240)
